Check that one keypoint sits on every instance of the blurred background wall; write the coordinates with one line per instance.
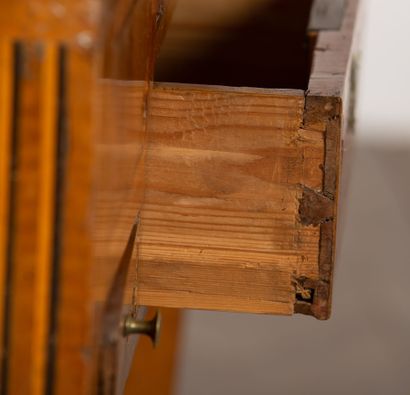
(365, 347)
(384, 100)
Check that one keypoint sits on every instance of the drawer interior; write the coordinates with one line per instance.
(254, 43)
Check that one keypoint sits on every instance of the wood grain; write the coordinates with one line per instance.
(220, 228)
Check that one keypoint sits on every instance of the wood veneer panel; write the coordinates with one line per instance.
(30, 72)
(26, 249)
(68, 177)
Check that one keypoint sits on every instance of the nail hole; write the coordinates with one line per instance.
(306, 295)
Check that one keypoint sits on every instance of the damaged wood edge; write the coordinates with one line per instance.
(314, 208)
(319, 208)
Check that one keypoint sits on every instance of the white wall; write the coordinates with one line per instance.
(384, 87)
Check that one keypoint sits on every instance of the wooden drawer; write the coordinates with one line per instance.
(242, 184)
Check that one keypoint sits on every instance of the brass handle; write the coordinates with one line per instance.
(151, 328)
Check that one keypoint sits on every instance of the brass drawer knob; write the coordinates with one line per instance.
(151, 328)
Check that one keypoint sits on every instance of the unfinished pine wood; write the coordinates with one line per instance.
(225, 172)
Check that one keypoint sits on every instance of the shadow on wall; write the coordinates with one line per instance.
(364, 348)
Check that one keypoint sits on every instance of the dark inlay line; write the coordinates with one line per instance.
(8, 294)
(61, 154)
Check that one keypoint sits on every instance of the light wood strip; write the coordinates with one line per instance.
(46, 207)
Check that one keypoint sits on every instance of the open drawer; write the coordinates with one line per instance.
(242, 183)
(215, 187)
